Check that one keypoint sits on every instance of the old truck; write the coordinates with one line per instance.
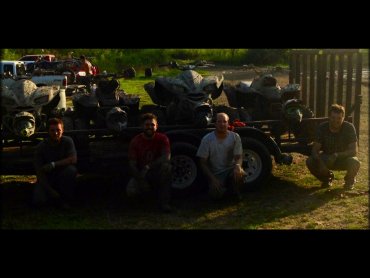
(17, 69)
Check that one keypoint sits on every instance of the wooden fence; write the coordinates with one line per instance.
(329, 76)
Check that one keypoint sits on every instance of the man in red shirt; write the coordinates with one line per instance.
(149, 161)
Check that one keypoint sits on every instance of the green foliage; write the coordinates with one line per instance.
(8, 54)
(267, 56)
(116, 60)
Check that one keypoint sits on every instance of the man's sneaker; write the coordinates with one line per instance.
(329, 182)
(326, 184)
(349, 186)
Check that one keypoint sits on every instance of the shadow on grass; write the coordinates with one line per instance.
(101, 204)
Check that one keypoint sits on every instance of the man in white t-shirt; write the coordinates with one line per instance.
(221, 158)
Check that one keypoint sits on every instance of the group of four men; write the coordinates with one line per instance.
(220, 155)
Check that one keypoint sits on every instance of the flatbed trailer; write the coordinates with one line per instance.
(106, 152)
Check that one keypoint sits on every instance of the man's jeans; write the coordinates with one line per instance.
(319, 168)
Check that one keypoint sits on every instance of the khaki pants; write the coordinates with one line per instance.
(231, 184)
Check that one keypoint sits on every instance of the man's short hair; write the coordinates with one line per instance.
(82, 57)
(336, 108)
(55, 121)
(148, 116)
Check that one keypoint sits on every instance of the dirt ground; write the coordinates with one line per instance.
(232, 73)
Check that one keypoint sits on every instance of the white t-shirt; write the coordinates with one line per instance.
(220, 153)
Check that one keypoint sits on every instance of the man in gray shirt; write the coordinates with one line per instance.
(220, 154)
(335, 148)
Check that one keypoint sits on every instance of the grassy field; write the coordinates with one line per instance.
(292, 199)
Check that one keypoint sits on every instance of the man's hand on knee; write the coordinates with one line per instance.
(47, 168)
(238, 171)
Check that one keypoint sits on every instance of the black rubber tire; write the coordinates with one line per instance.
(257, 163)
(186, 175)
(129, 73)
(148, 72)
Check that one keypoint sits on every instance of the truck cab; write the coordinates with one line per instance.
(15, 68)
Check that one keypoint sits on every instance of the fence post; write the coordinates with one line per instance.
(304, 79)
(340, 79)
(358, 95)
(331, 78)
(349, 83)
(312, 82)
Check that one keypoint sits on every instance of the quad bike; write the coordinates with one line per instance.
(184, 99)
(26, 107)
(263, 99)
(105, 106)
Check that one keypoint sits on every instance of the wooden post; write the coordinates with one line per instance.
(349, 83)
(291, 68)
(331, 79)
(304, 79)
(358, 94)
(319, 91)
(323, 103)
(311, 95)
(298, 69)
(340, 80)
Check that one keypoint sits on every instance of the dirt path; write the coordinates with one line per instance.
(233, 73)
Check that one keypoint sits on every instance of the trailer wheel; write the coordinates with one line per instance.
(257, 163)
(185, 173)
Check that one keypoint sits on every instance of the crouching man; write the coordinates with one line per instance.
(335, 148)
(220, 154)
(54, 161)
(149, 161)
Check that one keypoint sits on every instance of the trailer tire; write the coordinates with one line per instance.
(186, 176)
(257, 163)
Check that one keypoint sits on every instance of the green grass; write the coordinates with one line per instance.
(292, 199)
(135, 85)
